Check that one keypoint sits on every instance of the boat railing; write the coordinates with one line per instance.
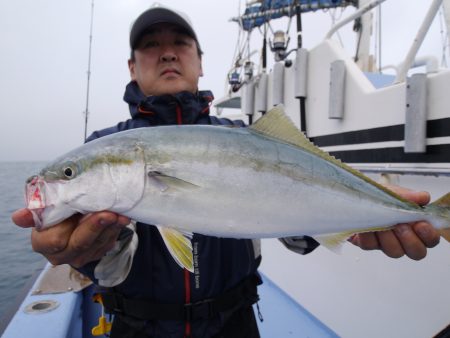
(410, 59)
(430, 62)
(352, 17)
(423, 30)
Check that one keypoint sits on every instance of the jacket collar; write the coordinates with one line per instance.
(180, 108)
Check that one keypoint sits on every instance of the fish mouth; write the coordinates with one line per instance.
(35, 199)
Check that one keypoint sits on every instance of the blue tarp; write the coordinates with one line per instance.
(257, 14)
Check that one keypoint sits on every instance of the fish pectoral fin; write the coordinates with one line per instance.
(179, 245)
(333, 242)
(164, 182)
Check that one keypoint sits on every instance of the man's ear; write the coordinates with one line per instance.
(201, 68)
(131, 67)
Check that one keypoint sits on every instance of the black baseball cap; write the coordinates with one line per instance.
(159, 14)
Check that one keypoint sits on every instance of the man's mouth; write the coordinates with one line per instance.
(170, 71)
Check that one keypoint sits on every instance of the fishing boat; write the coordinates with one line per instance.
(392, 126)
(389, 121)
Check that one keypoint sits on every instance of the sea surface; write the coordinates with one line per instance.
(18, 262)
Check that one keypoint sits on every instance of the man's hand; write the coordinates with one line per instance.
(77, 240)
(411, 239)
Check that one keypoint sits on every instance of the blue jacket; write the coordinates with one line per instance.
(154, 276)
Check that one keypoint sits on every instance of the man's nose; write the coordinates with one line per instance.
(168, 56)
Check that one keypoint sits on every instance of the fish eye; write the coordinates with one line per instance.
(69, 170)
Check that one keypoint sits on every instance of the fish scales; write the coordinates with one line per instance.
(282, 186)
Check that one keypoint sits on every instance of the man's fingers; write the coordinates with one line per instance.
(405, 239)
(94, 237)
(366, 241)
(79, 240)
(54, 239)
(97, 248)
(23, 218)
(419, 197)
(390, 244)
(410, 242)
(427, 234)
(102, 245)
(96, 228)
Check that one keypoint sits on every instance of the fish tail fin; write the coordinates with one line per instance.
(179, 245)
(445, 233)
(443, 204)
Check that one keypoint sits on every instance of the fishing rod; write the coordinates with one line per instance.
(86, 112)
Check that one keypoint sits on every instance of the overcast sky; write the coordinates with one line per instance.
(44, 57)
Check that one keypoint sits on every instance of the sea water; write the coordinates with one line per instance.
(18, 262)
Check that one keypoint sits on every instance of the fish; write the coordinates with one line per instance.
(267, 180)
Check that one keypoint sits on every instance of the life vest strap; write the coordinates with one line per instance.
(244, 294)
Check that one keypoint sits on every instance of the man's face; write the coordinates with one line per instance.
(166, 61)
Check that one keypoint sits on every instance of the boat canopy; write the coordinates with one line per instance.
(258, 13)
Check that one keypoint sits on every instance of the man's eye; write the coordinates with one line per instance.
(150, 44)
(182, 42)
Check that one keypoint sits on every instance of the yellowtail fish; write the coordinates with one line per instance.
(267, 180)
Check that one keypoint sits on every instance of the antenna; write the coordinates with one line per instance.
(86, 112)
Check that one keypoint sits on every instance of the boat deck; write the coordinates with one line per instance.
(75, 314)
(284, 317)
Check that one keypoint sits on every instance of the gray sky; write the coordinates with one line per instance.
(44, 54)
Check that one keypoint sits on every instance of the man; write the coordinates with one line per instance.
(149, 292)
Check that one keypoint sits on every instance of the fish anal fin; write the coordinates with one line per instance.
(179, 245)
(333, 242)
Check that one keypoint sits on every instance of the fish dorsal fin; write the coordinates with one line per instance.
(277, 125)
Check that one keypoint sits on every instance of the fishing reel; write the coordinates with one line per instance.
(279, 45)
(234, 76)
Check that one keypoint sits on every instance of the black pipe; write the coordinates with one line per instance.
(299, 24)
(264, 51)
